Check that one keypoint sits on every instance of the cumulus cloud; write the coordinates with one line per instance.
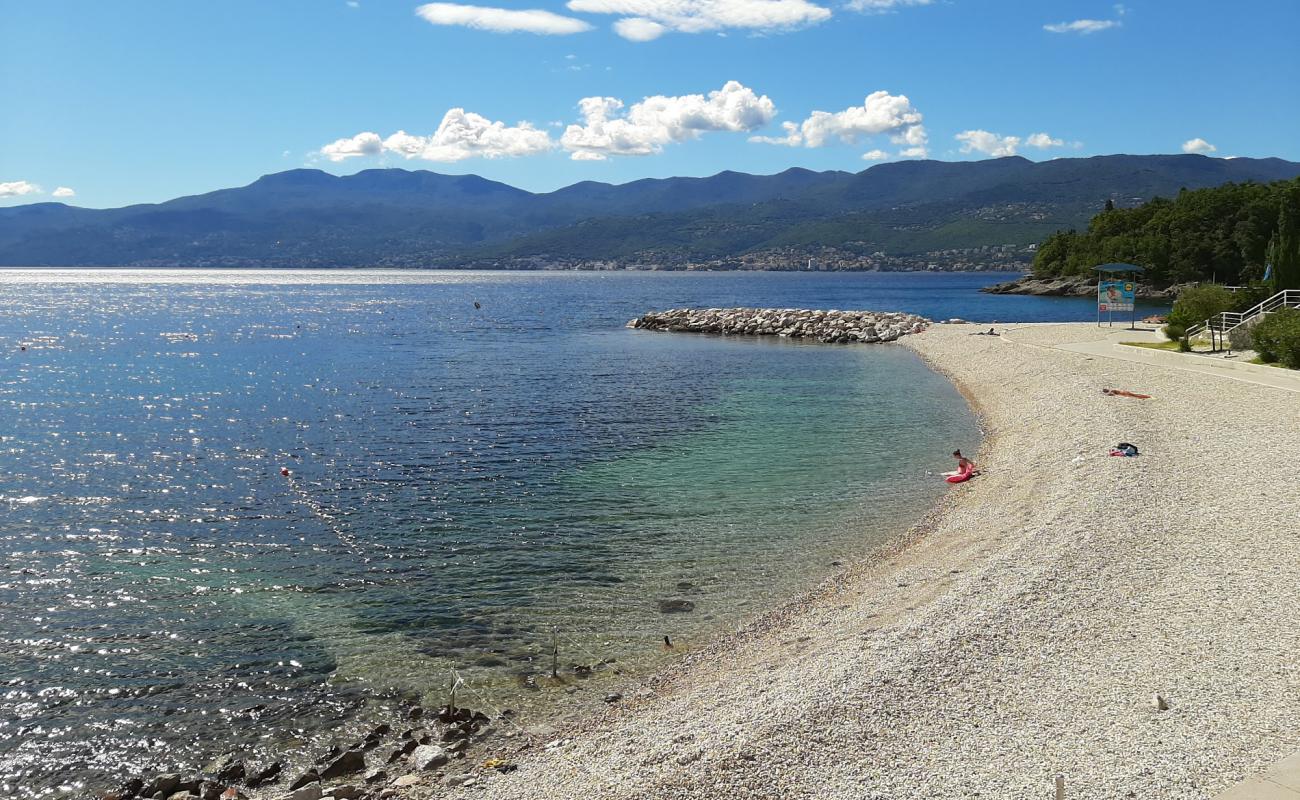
(501, 20)
(1043, 141)
(643, 20)
(988, 143)
(1199, 146)
(880, 113)
(18, 189)
(657, 121)
(461, 135)
(1082, 27)
(63, 191)
(999, 146)
(884, 6)
(363, 144)
(875, 155)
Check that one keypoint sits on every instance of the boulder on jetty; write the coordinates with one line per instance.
(796, 323)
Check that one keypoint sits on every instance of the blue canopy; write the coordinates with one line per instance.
(1119, 268)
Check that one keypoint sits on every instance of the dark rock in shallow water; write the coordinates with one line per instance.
(351, 761)
(676, 606)
(162, 784)
(310, 776)
(264, 775)
(130, 789)
(402, 749)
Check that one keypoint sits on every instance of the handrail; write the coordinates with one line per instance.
(1226, 322)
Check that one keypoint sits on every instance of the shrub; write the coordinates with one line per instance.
(1197, 304)
(1175, 332)
(1277, 337)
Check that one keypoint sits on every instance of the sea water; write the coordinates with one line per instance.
(483, 469)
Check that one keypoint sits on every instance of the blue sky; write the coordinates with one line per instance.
(125, 102)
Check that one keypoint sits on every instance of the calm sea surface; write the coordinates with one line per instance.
(468, 486)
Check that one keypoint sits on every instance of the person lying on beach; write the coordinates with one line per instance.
(989, 332)
(1125, 393)
(964, 465)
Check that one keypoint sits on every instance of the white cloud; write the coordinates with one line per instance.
(461, 135)
(657, 121)
(501, 20)
(988, 143)
(18, 189)
(880, 113)
(63, 191)
(875, 155)
(1042, 141)
(884, 6)
(639, 29)
(1082, 26)
(999, 146)
(1198, 145)
(643, 20)
(363, 144)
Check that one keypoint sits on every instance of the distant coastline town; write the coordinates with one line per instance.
(994, 258)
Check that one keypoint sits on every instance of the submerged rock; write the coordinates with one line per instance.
(676, 606)
(264, 775)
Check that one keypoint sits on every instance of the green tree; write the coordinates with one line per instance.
(1284, 247)
(1197, 304)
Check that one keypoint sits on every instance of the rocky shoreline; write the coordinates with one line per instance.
(834, 326)
(430, 747)
(1075, 286)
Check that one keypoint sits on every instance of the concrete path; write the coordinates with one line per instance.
(1108, 345)
(1282, 782)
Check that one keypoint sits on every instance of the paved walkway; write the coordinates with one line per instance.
(1282, 782)
(1107, 345)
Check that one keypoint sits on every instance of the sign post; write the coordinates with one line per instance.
(1117, 291)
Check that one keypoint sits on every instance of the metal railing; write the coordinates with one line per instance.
(1225, 322)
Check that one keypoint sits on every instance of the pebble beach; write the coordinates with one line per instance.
(1129, 624)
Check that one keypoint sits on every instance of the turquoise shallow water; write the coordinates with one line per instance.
(468, 486)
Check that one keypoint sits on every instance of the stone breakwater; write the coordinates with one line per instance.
(832, 326)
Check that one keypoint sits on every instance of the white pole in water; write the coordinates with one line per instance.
(1060, 787)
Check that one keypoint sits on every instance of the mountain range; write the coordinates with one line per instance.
(917, 213)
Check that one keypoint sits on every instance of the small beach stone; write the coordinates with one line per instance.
(407, 780)
(428, 757)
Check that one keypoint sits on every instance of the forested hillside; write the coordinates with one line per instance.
(1222, 234)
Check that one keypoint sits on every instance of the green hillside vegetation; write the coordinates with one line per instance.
(1220, 234)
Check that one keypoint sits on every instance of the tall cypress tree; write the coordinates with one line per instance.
(1284, 249)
